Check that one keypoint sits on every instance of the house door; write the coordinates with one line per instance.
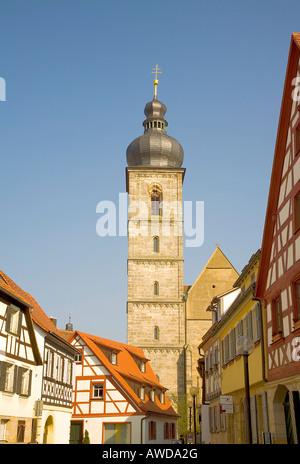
(76, 432)
(292, 416)
(288, 420)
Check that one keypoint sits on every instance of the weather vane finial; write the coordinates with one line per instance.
(156, 71)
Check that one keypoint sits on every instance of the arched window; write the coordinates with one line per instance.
(155, 191)
(156, 244)
(156, 333)
(155, 288)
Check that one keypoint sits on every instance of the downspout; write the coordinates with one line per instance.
(143, 418)
(262, 339)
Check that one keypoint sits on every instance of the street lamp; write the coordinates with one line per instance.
(244, 347)
(194, 392)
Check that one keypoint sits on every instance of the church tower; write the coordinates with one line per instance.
(155, 306)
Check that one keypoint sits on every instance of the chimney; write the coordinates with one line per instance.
(54, 320)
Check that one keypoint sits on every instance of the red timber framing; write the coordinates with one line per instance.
(280, 264)
(114, 399)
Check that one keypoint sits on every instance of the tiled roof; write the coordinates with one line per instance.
(296, 37)
(37, 314)
(127, 369)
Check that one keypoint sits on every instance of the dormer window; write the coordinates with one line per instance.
(113, 358)
(13, 320)
(143, 366)
(142, 393)
(152, 395)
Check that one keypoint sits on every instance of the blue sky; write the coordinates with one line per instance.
(78, 75)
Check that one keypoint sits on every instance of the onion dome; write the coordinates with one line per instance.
(155, 148)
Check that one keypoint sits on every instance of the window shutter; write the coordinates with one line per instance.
(240, 328)
(223, 352)
(2, 375)
(29, 383)
(18, 375)
(232, 344)
(19, 324)
(8, 319)
(15, 383)
(258, 321)
(249, 331)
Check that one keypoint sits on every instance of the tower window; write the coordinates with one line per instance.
(156, 244)
(156, 333)
(155, 289)
(155, 191)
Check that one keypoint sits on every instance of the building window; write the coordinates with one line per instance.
(155, 288)
(156, 333)
(172, 431)
(166, 431)
(3, 423)
(143, 366)
(162, 398)
(156, 244)
(9, 378)
(13, 320)
(152, 396)
(277, 315)
(78, 358)
(49, 363)
(117, 434)
(98, 391)
(25, 379)
(155, 191)
(152, 430)
(113, 359)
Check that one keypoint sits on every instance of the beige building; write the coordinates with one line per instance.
(165, 318)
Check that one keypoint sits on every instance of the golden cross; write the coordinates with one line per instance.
(156, 71)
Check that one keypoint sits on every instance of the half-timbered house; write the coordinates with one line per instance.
(20, 360)
(30, 338)
(278, 284)
(117, 397)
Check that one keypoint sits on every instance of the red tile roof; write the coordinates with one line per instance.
(127, 369)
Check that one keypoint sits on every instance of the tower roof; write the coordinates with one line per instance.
(155, 148)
